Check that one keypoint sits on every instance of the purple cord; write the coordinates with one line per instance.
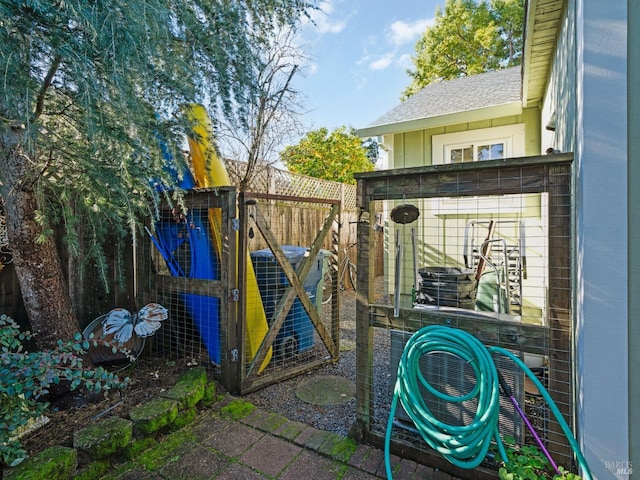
(535, 435)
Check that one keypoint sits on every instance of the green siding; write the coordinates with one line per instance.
(411, 149)
(415, 149)
(532, 138)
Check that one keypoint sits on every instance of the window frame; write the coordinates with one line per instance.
(512, 136)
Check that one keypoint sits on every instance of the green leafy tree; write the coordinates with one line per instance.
(88, 88)
(332, 156)
(372, 149)
(468, 38)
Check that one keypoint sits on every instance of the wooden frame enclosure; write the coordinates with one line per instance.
(196, 262)
(550, 175)
(181, 335)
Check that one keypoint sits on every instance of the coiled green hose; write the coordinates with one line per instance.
(464, 446)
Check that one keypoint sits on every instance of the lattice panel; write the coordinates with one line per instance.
(272, 180)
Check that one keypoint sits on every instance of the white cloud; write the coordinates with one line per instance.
(383, 62)
(311, 68)
(405, 61)
(324, 21)
(401, 33)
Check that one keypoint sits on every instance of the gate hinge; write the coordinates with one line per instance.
(234, 355)
(235, 295)
(235, 224)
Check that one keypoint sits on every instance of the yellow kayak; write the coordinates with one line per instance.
(209, 171)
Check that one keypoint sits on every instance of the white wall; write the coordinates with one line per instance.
(601, 228)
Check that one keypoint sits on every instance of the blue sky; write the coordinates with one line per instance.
(359, 51)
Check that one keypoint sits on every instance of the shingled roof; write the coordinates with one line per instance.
(456, 96)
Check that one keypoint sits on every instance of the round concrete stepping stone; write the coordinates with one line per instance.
(326, 390)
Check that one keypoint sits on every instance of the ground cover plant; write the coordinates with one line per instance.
(27, 377)
(527, 462)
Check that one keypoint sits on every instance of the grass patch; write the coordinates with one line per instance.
(94, 470)
(343, 450)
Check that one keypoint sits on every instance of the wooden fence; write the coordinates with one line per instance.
(92, 299)
(302, 220)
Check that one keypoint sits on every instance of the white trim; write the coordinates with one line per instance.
(505, 142)
(454, 118)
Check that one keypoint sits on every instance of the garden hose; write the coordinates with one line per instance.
(463, 445)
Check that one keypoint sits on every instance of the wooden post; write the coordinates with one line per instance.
(364, 331)
(560, 307)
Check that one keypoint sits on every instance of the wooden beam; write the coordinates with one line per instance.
(486, 327)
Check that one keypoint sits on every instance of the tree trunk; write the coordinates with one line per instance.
(37, 264)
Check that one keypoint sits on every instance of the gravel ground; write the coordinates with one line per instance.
(281, 397)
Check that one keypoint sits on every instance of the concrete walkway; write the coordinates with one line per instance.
(262, 445)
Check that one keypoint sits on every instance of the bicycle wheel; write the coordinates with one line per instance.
(326, 287)
(353, 274)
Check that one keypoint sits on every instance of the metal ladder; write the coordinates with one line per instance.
(507, 260)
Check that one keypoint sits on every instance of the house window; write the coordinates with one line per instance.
(491, 151)
(461, 154)
(475, 146)
(480, 144)
(476, 152)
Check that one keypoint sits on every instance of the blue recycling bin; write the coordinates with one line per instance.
(297, 332)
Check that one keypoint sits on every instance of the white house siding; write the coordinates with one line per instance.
(591, 117)
(561, 92)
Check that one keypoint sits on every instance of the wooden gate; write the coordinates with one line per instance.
(302, 331)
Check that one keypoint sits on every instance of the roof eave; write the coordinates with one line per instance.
(526, 48)
(496, 111)
(543, 23)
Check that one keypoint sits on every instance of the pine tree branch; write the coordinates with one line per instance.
(45, 86)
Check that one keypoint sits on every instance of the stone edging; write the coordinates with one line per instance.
(173, 409)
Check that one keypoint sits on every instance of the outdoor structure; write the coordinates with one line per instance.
(434, 249)
(245, 276)
(579, 64)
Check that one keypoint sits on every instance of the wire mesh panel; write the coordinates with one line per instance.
(483, 247)
(453, 376)
(189, 266)
(289, 322)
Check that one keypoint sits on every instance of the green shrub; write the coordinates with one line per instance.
(25, 377)
(529, 463)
